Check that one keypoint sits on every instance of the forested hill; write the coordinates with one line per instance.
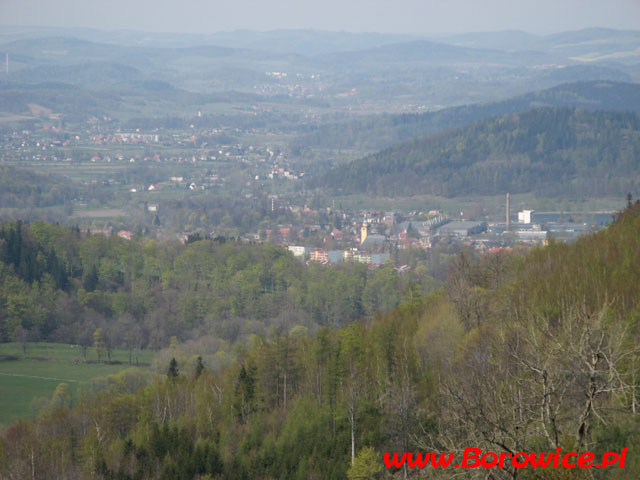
(382, 131)
(520, 353)
(25, 188)
(61, 284)
(548, 151)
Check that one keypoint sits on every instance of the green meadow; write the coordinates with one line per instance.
(38, 371)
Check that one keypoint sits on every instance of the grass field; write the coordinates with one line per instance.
(45, 365)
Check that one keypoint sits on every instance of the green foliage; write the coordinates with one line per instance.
(31, 380)
(28, 189)
(98, 342)
(471, 365)
(60, 284)
(367, 465)
(21, 250)
(23, 188)
(172, 371)
(550, 152)
(199, 367)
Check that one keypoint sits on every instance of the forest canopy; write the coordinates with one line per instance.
(551, 152)
(60, 284)
(518, 353)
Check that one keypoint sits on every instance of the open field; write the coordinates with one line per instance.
(9, 117)
(39, 109)
(45, 366)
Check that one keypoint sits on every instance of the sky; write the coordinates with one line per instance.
(388, 16)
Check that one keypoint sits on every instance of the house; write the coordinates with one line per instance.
(362, 257)
(298, 251)
(127, 235)
(319, 255)
(390, 218)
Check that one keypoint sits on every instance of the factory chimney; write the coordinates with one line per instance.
(508, 220)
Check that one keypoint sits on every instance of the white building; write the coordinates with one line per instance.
(525, 216)
(299, 251)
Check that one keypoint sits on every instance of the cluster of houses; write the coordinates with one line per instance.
(126, 138)
(382, 233)
(372, 247)
(324, 256)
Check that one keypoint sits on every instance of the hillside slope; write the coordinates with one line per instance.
(382, 131)
(520, 353)
(548, 151)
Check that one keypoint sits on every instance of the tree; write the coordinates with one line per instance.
(244, 394)
(352, 356)
(98, 342)
(91, 279)
(367, 465)
(62, 396)
(84, 337)
(22, 336)
(199, 367)
(172, 371)
(130, 333)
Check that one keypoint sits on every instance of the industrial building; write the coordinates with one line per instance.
(462, 228)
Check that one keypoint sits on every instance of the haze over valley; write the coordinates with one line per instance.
(264, 245)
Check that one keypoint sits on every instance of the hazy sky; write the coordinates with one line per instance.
(401, 16)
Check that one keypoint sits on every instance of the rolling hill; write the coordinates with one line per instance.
(382, 131)
(547, 151)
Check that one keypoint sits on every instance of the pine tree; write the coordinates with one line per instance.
(172, 371)
(199, 367)
(91, 279)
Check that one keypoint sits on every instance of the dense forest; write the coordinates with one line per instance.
(61, 284)
(520, 352)
(27, 189)
(548, 151)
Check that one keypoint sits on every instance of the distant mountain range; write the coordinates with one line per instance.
(348, 56)
(547, 151)
(335, 71)
(286, 42)
(589, 43)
